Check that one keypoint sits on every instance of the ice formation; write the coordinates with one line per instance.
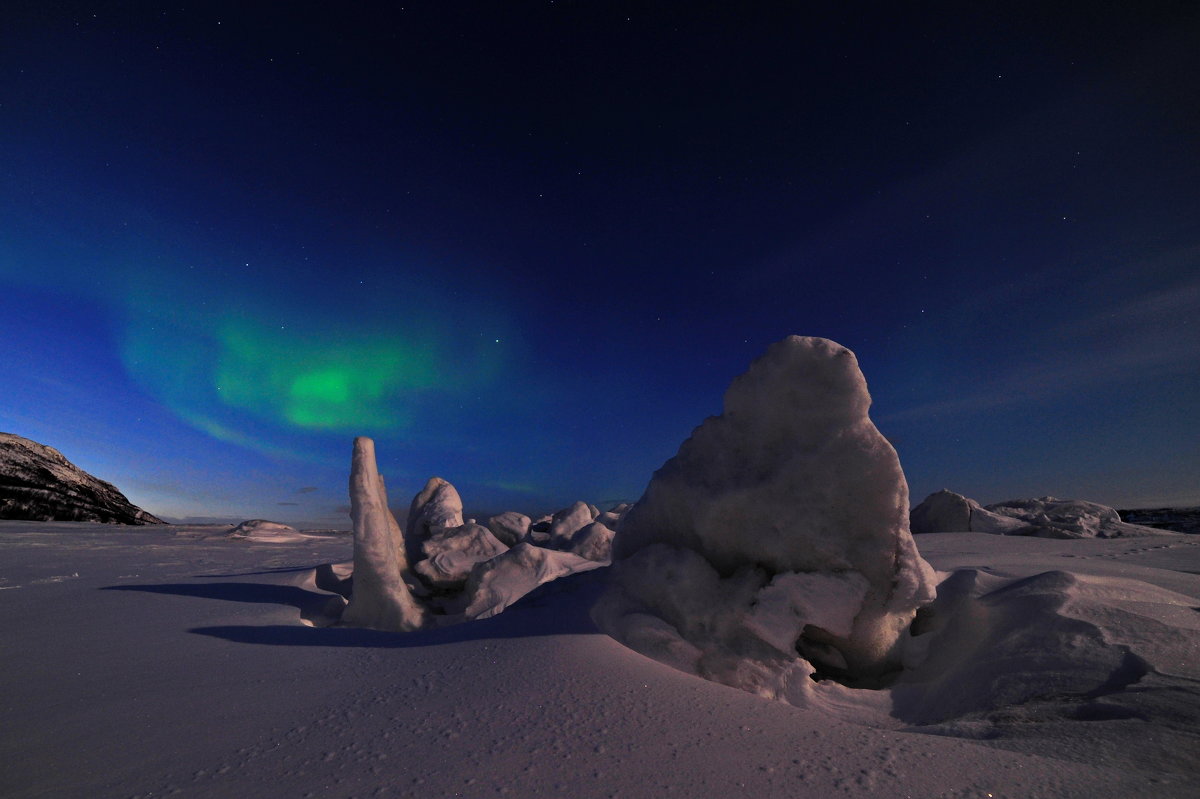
(379, 598)
(451, 553)
(510, 527)
(776, 541)
(1045, 517)
(445, 570)
(593, 542)
(265, 530)
(497, 583)
(567, 522)
(435, 508)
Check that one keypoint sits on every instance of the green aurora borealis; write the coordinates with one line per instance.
(528, 251)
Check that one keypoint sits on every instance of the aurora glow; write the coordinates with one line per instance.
(528, 251)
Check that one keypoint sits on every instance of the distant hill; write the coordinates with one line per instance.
(38, 484)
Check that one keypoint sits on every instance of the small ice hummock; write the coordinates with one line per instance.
(775, 544)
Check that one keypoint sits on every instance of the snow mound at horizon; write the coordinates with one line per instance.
(265, 530)
(1045, 517)
(775, 544)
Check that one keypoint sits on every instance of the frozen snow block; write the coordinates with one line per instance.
(793, 477)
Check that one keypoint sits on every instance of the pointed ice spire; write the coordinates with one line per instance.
(380, 599)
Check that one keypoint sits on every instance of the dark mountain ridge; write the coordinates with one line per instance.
(38, 484)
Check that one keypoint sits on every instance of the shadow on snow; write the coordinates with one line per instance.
(558, 608)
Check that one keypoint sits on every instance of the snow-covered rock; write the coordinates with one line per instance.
(497, 583)
(1045, 517)
(510, 527)
(38, 484)
(435, 508)
(379, 598)
(779, 528)
(451, 553)
(593, 542)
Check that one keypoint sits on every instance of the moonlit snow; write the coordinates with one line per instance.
(771, 556)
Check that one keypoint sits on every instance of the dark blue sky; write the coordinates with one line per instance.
(525, 246)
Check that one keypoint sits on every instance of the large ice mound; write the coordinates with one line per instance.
(775, 544)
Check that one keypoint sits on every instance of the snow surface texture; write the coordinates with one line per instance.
(39, 484)
(230, 695)
(1045, 517)
(776, 541)
(459, 570)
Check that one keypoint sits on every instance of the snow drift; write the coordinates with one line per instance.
(775, 544)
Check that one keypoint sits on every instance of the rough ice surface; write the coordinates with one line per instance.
(611, 518)
(593, 542)
(568, 521)
(435, 508)
(510, 527)
(779, 529)
(499, 582)
(379, 598)
(451, 554)
(459, 570)
(1045, 517)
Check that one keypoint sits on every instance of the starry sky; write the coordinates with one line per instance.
(526, 245)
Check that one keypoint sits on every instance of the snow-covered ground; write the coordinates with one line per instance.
(168, 660)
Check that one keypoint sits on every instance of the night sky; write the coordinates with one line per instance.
(526, 246)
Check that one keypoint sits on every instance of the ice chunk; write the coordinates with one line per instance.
(379, 598)
(942, 512)
(593, 542)
(568, 521)
(792, 479)
(501, 581)
(436, 508)
(452, 553)
(510, 527)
